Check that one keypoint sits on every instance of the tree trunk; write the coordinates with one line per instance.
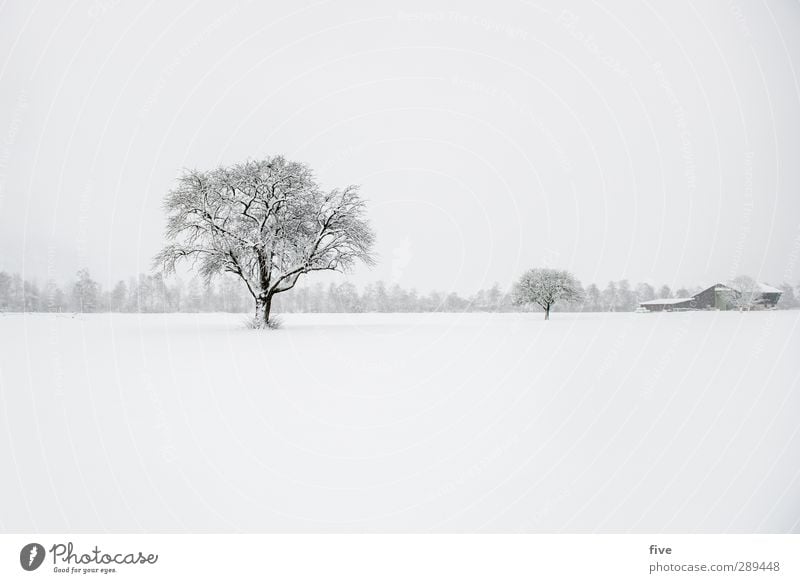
(263, 305)
(547, 312)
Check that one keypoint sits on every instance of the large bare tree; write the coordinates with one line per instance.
(545, 287)
(265, 221)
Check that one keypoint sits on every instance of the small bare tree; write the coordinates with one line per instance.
(747, 293)
(265, 221)
(545, 287)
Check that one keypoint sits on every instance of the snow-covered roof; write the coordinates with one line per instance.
(665, 301)
(760, 287)
(768, 289)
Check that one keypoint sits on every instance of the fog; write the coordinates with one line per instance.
(656, 142)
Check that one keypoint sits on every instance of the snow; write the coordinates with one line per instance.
(401, 422)
(768, 289)
(665, 301)
(759, 286)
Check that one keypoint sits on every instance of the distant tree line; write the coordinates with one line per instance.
(154, 294)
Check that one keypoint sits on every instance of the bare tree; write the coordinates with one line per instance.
(545, 287)
(747, 293)
(267, 222)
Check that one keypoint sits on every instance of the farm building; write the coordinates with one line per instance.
(769, 295)
(667, 304)
(717, 297)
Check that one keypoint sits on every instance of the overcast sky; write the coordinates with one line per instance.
(655, 141)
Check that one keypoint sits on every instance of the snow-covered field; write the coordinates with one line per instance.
(401, 422)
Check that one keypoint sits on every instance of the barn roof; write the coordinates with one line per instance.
(768, 289)
(760, 286)
(665, 301)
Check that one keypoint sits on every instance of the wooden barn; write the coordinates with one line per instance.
(770, 296)
(667, 305)
(717, 297)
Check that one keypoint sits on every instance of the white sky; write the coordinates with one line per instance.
(651, 141)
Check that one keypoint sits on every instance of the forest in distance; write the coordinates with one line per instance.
(157, 294)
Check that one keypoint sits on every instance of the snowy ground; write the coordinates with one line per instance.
(398, 422)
